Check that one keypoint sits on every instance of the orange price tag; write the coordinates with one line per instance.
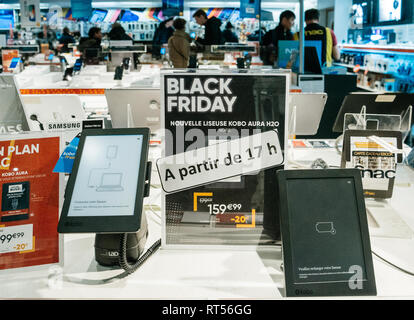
(357, 68)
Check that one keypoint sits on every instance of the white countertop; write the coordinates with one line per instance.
(204, 274)
(90, 77)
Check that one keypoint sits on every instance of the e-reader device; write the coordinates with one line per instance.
(325, 237)
(109, 180)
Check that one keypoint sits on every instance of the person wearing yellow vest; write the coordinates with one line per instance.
(314, 31)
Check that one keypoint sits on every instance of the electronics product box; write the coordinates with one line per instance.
(203, 108)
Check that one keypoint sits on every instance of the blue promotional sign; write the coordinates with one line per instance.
(249, 8)
(172, 8)
(81, 8)
(65, 162)
(288, 53)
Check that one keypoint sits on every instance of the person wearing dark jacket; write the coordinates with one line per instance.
(212, 32)
(272, 37)
(161, 36)
(315, 32)
(228, 34)
(258, 34)
(179, 45)
(65, 39)
(93, 41)
(163, 32)
(118, 33)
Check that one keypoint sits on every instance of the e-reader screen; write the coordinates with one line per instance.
(332, 229)
(106, 182)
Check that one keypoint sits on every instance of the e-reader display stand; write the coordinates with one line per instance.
(396, 104)
(305, 113)
(325, 238)
(102, 177)
(373, 143)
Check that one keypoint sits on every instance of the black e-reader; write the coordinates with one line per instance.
(108, 182)
(325, 237)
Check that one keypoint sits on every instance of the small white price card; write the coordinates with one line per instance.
(16, 238)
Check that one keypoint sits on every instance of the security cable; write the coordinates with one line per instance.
(393, 265)
(123, 261)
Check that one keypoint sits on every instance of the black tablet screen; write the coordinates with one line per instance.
(331, 229)
(106, 181)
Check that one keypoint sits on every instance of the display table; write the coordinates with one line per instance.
(205, 274)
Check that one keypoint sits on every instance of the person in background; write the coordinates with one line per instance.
(314, 31)
(118, 33)
(212, 32)
(46, 36)
(161, 35)
(281, 32)
(65, 39)
(255, 36)
(76, 35)
(164, 31)
(179, 45)
(17, 37)
(93, 41)
(228, 34)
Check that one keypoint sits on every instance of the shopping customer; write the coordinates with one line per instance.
(93, 41)
(229, 35)
(179, 45)
(270, 41)
(65, 40)
(212, 32)
(118, 33)
(314, 31)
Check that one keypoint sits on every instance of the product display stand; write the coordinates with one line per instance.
(130, 118)
(384, 221)
(391, 122)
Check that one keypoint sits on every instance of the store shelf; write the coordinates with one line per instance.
(360, 68)
(369, 89)
(377, 48)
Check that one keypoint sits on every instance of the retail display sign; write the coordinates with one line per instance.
(288, 53)
(81, 9)
(250, 8)
(220, 161)
(30, 13)
(7, 57)
(30, 201)
(76, 125)
(71, 132)
(224, 140)
(376, 163)
(172, 7)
